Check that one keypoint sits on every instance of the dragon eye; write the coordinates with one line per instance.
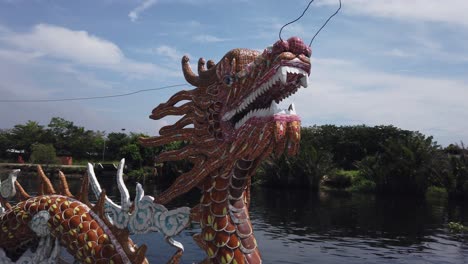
(228, 80)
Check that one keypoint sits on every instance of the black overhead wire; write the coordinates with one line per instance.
(303, 12)
(87, 98)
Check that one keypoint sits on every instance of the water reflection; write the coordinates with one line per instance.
(297, 226)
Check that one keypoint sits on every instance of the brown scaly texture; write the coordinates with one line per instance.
(83, 230)
(225, 157)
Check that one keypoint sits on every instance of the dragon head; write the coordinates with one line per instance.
(233, 113)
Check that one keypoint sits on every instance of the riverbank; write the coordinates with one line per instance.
(51, 170)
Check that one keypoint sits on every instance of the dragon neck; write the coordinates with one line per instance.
(227, 234)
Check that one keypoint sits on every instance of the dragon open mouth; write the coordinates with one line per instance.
(278, 84)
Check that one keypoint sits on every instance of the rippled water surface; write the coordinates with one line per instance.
(296, 226)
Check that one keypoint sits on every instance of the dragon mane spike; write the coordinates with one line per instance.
(45, 186)
(84, 190)
(166, 110)
(177, 154)
(4, 202)
(183, 153)
(179, 96)
(180, 124)
(179, 135)
(98, 208)
(181, 185)
(21, 194)
(63, 187)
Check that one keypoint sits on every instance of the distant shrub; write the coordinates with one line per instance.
(140, 175)
(456, 227)
(361, 184)
(435, 191)
(340, 178)
(364, 186)
(43, 154)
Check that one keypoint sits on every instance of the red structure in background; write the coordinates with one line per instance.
(66, 160)
(20, 159)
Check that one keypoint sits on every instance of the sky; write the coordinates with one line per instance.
(378, 62)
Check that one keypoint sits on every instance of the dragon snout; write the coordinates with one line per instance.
(294, 45)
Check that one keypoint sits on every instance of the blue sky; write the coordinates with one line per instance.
(378, 62)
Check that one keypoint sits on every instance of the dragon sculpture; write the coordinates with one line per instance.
(231, 123)
(91, 233)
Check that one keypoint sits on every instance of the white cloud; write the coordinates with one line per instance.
(79, 47)
(344, 93)
(399, 53)
(135, 13)
(63, 43)
(164, 51)
(208, 38)
(450, 11)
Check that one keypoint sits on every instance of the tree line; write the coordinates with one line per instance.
(64, 138)
(382, 159)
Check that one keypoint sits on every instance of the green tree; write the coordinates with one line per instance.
(43, 154)
(70, 139)
(405, 165)
(5, 143)
(131, 153)
(115, 141)
(24, 136)
(305, 169)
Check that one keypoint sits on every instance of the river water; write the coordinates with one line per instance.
(298, 226)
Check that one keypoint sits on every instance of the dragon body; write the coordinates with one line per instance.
(76, 224)
(91, 233)
(231, 123)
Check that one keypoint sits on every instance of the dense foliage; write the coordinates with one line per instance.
(382, 159)
(67, 139)
(43, 154)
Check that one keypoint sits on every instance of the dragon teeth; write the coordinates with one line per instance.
(305, 81)
(281, 75)
(264, 112)
(284, 75)
(291, 109)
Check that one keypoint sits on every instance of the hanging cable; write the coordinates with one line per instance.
(289, 23)
(303, 12)
(324, 24)
(89, 98)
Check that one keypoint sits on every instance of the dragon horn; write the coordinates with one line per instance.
(201, 65)
(206, 77)
(191, 77)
